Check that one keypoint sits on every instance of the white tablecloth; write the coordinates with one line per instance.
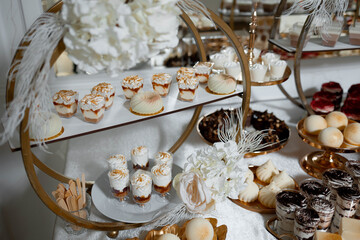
(88, 154)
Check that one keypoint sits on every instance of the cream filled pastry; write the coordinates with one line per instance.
(117, 161)
(331, 137)
(199, 229)
(92, 107)
(203, 70)
(185, 73)
(141, 184)
(140, 157)
(218, 59)
(66, 102)
(277, 69)
(250, 193)
(258, 72)
(164, 157)
(267, 195)
(146, 103)
(233, 69)
(221, 83)
(107, 91)
(161, 83)
(119, 182)
(132, 85)
(314, 124)
(352, 134)
(187, 88)
(266, 171)
(267, 58)
(283, 180)
(161, 175)
(337, 119)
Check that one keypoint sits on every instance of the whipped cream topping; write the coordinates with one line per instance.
(229, 52)
(161, 175)
(141, 179)
(218, 57)
(141, 150)
(231, 65)
(104, 89)
(117, 161)
(119, 178)
(66, 97)
(164, 157)
(92, 102)
(161, 78)
(269, 56)
(185, 72)
(203, 67)
(133, 81)
(188, 83)
(278, 63)
(257, 66)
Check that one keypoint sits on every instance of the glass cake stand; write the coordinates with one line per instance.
(315, 163)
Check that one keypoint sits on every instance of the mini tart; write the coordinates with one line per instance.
(222, 83)
(146, 103)
(107, 91)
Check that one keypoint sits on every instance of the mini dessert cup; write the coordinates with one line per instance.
(185, 73)
(269, 6)
(107, 91)
(119, 183)
(335, 178)
(84, 213)
(140, 157)
(161, 83)
(161, 175)
(233, 69)
(353, 167)
(117, 161)
(306, 222)
(311, 188)
(331, 34)
(277, 69)
(218, 59)
(354, 34)
(268, 57)
(141, 184)
(66, 102)
(325, 209)
(164, 158)
(258, 72)
(187, 88)
(294, 35)
(132, 85)
(230, 53)
(203, 70)
(92, 107)
(287, 202)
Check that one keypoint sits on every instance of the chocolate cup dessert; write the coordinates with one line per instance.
(163, 190)
(120, 194)
(325, 209)
(336, 178)
(306, 222)
(314, 188)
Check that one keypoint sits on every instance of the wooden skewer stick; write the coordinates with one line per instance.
(62, 204)
(78, 184)
(61, 187)
(72, 188)
(83, 187)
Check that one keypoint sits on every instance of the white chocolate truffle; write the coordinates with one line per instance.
(199, 229)
(337, 119)
(250, 193)
(352, 134)
(146, 103)
(266, 171)
(222, 83)
(331, 137)
(168, 236)
(283, 180)
(314, 124)
(267, 195)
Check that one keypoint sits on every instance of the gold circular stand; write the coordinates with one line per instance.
(316, 163)
(30, 159)
(285, 77)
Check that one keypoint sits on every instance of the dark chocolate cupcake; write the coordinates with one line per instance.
(306, 222)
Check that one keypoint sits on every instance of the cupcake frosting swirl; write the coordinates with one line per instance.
(140, 179)
(161, 170)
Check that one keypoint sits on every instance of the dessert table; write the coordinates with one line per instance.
(88, 154)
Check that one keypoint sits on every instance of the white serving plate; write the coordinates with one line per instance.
(119, 114)
(129, 211)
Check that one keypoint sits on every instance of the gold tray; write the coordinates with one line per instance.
(220, 232)
(270, 227)
(257, 206)
(285, 77)
(276, 148)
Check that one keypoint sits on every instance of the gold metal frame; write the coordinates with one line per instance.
(30, 159)
(274, 233)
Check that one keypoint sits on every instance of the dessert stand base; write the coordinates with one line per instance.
(316, 163)
(271, 228)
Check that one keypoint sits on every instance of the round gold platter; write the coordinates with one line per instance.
(316, 163)
(257, 206)
(285, 77)
(264, 151)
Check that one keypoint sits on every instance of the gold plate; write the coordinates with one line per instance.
(270, 227)
(270, 149)
(52, 137)
(285, 77)
(211, 92)
(257, 206)
(220, 232)
(146, 115)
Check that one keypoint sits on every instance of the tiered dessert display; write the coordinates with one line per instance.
(93, 107)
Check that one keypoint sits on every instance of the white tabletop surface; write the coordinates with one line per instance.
(88, 154)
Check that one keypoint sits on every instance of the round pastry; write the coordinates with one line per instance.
(250, 193)
(267, 195)
(266, 171)
(221, 83)
(337, 119)
(199, 229)
(352, 134)
(331, 137)
(314, 124)
(52, 128)
(146, 103)
(283, 180)
(168, 236)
